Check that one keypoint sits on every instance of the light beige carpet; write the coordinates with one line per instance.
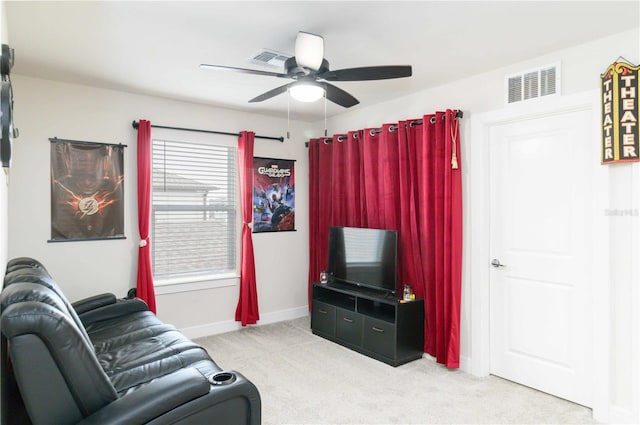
(305, 379)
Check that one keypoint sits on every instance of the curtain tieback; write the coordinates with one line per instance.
(143, 242)
(248, 224)
(454, 136)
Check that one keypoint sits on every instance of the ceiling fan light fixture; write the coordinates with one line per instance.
(306, 91)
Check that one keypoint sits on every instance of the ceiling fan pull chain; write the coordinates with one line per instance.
(325, 113)
(288, 114)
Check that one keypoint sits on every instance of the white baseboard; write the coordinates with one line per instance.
(231, 325)
(465, 364)
(619, 415)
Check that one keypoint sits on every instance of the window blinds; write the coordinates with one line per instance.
(194, 227)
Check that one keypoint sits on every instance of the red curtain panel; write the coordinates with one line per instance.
(320, 202)
(315, 261)
(247, 309)
(404, 176)
(144, 286)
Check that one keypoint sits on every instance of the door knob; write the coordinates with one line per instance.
(496, 263)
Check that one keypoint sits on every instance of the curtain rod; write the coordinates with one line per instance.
(83, 142)
(459, 114)
(135, 124)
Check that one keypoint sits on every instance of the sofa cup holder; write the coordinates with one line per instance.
(223, 378)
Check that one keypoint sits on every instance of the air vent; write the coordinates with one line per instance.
(269, 58)
(544, 81)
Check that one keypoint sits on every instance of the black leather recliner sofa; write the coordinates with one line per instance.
(104, 360)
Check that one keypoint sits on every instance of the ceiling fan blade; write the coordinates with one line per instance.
(368, 73)
(309, 50)
(243, 70)
(270, 93)
(339, 96)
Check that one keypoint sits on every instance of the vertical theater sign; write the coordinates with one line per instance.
(620, 136)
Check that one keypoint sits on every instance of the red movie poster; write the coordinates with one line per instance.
(87, 194)
(273, 195)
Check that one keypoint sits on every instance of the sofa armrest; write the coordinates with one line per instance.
(152, 400)
(91, 303)
(121, 307)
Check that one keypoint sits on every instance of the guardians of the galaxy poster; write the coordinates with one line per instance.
(273, 195)
(87, 194)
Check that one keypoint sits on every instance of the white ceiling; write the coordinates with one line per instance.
(155, 47)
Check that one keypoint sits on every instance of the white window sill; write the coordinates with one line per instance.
(194, 283)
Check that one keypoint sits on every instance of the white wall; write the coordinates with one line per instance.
(4, 192)
(46, 109)
(581, 67)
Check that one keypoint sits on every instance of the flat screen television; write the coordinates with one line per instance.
(363, 257)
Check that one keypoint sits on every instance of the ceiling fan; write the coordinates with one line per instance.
(311, 73)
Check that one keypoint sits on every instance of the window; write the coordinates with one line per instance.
(194, 225)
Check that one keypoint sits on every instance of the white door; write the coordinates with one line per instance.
(540, 317)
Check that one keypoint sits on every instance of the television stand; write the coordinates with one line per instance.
(369, 322)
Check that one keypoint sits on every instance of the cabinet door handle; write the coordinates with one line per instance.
(322, 311)
(375, 328)
(346, 319)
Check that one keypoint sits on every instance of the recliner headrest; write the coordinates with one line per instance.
(26, 291)
(24, 262)
(41, 277)
(25, 275)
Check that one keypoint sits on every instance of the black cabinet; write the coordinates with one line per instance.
(324, 317)
(379, 326)
(349, 326)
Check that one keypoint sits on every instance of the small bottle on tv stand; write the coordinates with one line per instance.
(407, 293)
(324, 277)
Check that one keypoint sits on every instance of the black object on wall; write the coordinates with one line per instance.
(6, 99)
